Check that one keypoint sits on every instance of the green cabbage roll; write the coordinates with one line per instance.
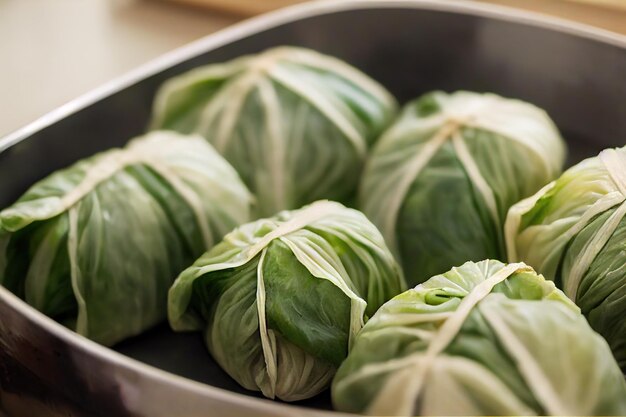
(98, 245)
(482, 339)
(280, 299)
(574, 232)
(295, 124)
(439, 182)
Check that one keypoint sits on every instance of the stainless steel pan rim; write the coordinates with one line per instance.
(223, 37)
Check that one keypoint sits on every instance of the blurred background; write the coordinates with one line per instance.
(54, 51)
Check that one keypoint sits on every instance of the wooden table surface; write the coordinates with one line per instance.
(608, 14)
(611, 17)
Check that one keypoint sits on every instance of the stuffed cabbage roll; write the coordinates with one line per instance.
(295, 124)
(439, 182)
(280, 299)
(482, 339)
(574, 232)
(98, 245)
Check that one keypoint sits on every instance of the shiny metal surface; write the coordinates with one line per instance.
(576, 73)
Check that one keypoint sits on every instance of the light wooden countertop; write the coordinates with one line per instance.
(54, 51)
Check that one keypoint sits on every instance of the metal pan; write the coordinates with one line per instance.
(576, 73)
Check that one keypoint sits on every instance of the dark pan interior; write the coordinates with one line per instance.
(579, 81)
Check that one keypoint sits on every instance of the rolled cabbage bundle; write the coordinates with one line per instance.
(294, 123)
(280, 299)
(440, 181)
(97, 245)
(482, 339)
(574, 232)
